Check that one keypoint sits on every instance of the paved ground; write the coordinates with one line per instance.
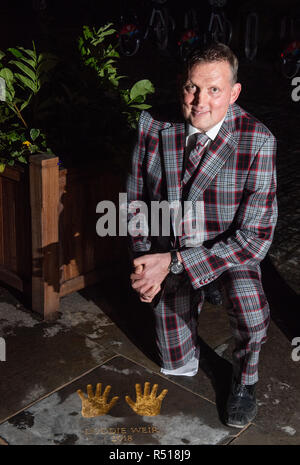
(103, 337)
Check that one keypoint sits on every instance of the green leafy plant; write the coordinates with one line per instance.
(102, 56)
(24, 72)
(135, 98)
(20, 145)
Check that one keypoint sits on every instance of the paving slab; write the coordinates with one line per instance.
(122, 306)
(256, 436)
(278, 390)
(93, 317)
(40, 357)
(184, 418)
(213, 379)
(279, 386)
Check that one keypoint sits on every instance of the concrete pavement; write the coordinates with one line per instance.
(106, 337)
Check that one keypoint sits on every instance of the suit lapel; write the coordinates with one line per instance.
(173, 142)
(223, 146)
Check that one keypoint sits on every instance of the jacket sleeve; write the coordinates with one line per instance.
(137, 218)
(253, 226)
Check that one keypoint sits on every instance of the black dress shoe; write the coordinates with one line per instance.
(241, 405)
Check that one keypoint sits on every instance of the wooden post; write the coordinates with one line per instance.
(44, 200)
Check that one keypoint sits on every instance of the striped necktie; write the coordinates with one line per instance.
(199, 140)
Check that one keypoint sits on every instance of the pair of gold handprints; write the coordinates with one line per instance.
(146, 404)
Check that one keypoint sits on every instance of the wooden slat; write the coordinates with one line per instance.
(62, 191)
(9, 224)
(1, 224)
(80, 282)
(95, 276)
(82, 250)
(11, 278)
(44, 198)
(23, 228)
(13, 173)
(15, 234)
(71, 229)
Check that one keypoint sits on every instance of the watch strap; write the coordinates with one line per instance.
(174, 258)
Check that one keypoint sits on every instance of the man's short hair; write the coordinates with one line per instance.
(212, 53)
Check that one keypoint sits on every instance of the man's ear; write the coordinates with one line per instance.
(235, 92)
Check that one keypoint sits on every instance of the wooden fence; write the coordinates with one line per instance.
(48, 241)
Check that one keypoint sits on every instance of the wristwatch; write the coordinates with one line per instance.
(175, 267)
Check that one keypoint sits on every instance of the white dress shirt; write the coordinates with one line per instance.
(211, 133)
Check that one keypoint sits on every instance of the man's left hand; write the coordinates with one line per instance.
(147, 281)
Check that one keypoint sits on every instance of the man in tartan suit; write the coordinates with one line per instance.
(223, 159)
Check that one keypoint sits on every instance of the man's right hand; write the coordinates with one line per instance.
(151, 293)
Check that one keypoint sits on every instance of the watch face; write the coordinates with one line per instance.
(176, 268)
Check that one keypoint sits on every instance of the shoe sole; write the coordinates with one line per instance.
(238, 426)
(233, 425)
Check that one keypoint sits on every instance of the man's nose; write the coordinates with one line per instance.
(200, 99)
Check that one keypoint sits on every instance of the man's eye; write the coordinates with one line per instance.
(190, 88)
(214, 90)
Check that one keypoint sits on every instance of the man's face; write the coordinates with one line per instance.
(207, 94)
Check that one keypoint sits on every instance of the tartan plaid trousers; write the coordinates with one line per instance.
(236, 183)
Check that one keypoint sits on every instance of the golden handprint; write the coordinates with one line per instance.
(96, 405)
(147, 404)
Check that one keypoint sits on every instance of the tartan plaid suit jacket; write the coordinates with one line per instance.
(235, 181)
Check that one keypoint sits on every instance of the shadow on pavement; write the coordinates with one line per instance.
(283, 300)
(219, 372)
(121, 304)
